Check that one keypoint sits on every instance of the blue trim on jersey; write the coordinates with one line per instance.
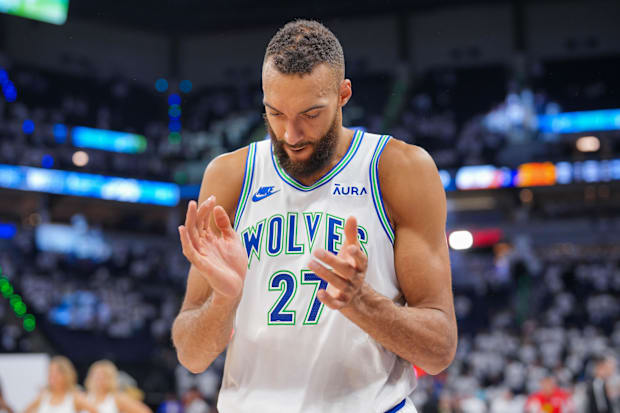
(378, 203)
(308, 189)
(241, 208)
(397, 407)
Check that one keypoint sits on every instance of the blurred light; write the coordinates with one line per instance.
(536, 174)
(461, 240)
(174, 125)
(445, 177)
(4, 77)
(14, 300)
(60, 133)
(174, 111)
(526, 196)
(174, 99)
(49, 11)
(161, 85)
(7, 231)
(588, 144)
(591, 171)
(47, 161)
(80, 158)
(185, 86)
(564, 172)
(55, 181)
(28, 126)
(20, 309)
(174, 138)
(29, 322)
(487, 237)
(6, 289)
(483, 177)
(575, 122)
(107, 140)
(10, 93)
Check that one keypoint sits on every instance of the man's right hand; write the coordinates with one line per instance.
(220, 258)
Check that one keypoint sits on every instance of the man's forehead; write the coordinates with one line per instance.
(321, 79)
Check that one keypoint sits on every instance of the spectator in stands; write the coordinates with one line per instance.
(193, 402)
(170, 405)
(549, 398)
(61, 394)
(102, 385)
(508, 403)
(600, 396)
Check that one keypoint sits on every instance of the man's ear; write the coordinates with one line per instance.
(345, 92)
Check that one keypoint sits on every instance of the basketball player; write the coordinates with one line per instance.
(328, 312)
(61, 395)
(102, 386)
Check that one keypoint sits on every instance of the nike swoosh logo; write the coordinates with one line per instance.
(257, 197)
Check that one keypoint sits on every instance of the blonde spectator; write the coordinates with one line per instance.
(102, 386)
(61, 394)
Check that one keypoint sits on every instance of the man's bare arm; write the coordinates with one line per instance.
(424, 332)
(204, 325)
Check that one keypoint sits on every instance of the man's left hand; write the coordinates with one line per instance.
(348, 272)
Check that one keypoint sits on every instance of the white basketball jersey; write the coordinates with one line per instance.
(289, 352)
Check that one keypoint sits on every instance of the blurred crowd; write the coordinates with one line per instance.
(539, 329)
(533, 322)
(482, 115)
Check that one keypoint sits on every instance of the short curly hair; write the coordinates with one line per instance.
(301, 45)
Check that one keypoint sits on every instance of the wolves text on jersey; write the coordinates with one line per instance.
(296, 234)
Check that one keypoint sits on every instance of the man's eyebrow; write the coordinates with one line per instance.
(312, 108)
(270, 107)
(303, 111)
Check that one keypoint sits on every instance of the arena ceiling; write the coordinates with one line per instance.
(187, 16)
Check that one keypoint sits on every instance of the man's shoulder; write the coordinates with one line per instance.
(408, 176)
(229, 161)
(404, 162)
(223, 177)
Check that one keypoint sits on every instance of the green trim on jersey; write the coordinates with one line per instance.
(247, 183)
(376, 188)
(355, 143)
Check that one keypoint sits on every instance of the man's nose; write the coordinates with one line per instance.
(292, 134)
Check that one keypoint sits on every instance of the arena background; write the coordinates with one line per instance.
(108, 119)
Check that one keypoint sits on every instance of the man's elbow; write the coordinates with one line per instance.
(194, 365)
(444, 355)
(441, 363)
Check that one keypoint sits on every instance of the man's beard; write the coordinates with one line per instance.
(322, 154)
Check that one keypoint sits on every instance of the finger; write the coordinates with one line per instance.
(223, 221)
(190, 224)
(190, 252)
(330, 276)
(350, 231)
(204, 216)
(329, 300)
(358, 256)
(343, 265)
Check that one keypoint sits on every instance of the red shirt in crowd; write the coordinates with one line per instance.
(558, 401)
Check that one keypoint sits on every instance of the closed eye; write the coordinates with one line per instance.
(312, 116)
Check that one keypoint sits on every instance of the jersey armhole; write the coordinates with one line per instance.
(375, 189)
(248, 178)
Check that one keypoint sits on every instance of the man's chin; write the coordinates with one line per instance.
(300, 155)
